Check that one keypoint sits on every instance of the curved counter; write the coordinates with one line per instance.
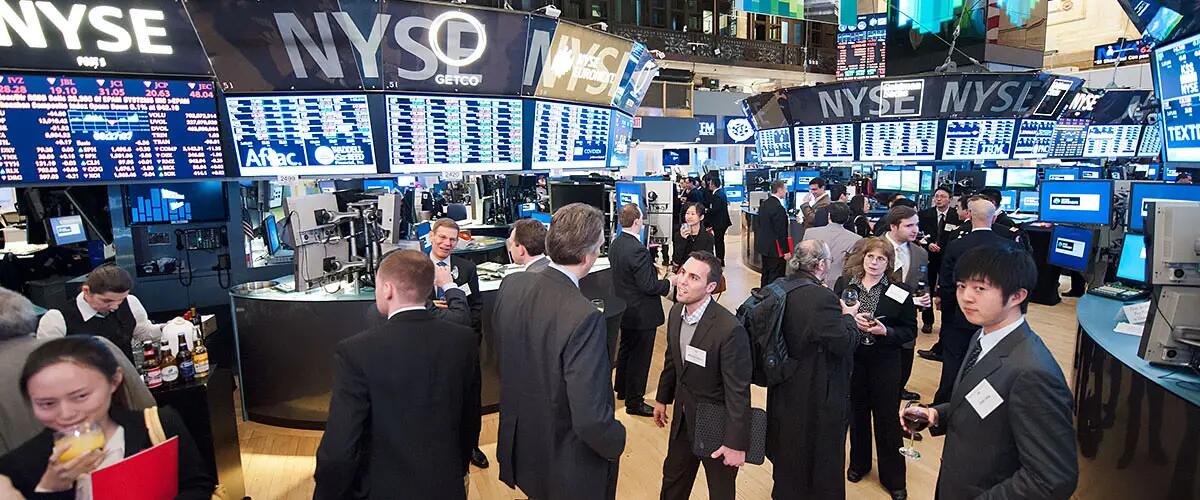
(1137, 424)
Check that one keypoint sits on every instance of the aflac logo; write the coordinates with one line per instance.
(267, 157)
(739, 130)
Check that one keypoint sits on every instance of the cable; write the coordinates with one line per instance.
(957, 31)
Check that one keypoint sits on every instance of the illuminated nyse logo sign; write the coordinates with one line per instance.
(901, 98)
(1074, 248)
(991, 96)
(583, 65)
(1076, 202)
(35, 25)
(1084, 101)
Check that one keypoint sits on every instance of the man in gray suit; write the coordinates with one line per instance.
(840, 240)
(527, 245)
(558, 436)
(912, 264)
(1008, 424)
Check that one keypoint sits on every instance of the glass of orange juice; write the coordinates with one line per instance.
(82, 438)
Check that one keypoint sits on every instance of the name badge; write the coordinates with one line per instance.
(950, 227)
(696, 356)
(896, 293)
(984, 399)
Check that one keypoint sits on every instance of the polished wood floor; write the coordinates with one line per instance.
(278, 463)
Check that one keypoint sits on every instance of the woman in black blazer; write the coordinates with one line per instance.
(858, 223)
(692, 236)
(72, 380)
(875, 383)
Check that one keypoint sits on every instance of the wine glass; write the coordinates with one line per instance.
(921, 291)
(916, 423)
(850, 298)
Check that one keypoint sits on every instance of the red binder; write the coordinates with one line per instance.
(152, 474)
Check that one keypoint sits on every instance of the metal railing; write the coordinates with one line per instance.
(703, 47)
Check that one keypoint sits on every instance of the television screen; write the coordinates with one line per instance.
(909, 140)
(735, 194)
(1071, 247)
(380, 185)
(1035, 139)
(803, 177)
(327, 186)
(1020, 178)
(442, 133)
(672, 157)
(910, 181)
(825, 142)
(1179, 98)
(315, 134)
(620, 146)
(67, 230)
(1062, 174)
(1008, 201)
(1151, 143)
(978, 139)
(176, 203)
(65, 129)
(1076, 202)
(774, 145)
(888, 180)
(1090, 173)
(1132, 265)
(570, 136)
(994, 177)
(1111, 141)
(733, 177)
(1029, 201)
(271, 233)
(562, 194)
(1141, 193)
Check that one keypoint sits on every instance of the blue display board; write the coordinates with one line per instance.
(1141, 193)
(1111, 141)
(978, 139)
(1035, 139)
(1178, 91)
(1069, 136)
(176, 203)
(676, 157)
(58, 129)
(1071, 247)
(1151, 143)
(67, 230)
(619, 146)
(1076, 202)
(437, 134)
(1009, 200)
(909, 140)
(735, 194)
(825, 142)
(312, 134)
(570, 136)
(1132, 265)
(775, 145)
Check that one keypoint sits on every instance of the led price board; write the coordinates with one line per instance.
(1111, 141)
(1068, 140)
(570, 136)
(978, 139)
(1035, 139)
(434, 134)
(774, 145)
(862, 48)
(1151, 143)
(315, 134)
(825, 142)
(908, 140)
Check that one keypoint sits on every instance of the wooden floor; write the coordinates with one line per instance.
(278, 463)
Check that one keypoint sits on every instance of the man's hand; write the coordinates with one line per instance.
(933, 247)
(787, 256)
(442, 276)
(930, 413)
(733, 458)
(660, 415)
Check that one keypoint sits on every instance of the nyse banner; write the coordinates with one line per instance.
(110, 36)
(583, 65)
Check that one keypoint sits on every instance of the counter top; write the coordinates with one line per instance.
(1097, 316)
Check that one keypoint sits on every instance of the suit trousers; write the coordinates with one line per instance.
(681, 464)
(927, 317)
(772, 267)
(906, 365)
(955, 341)
(633, 363)
(875, 398)
(719, 242)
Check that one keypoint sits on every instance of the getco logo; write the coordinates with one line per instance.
(435, 29)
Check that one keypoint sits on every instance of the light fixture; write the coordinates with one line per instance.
(549, 11)
(602, 26)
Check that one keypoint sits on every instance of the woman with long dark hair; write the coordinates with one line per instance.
(858, 223)
(692, 235)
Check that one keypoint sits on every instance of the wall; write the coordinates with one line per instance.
(1077, 26)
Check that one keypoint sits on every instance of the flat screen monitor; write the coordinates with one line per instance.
(1028, 201)
(1111, 141)
(774, 145)
(1062, 174)
(621, 143)
(1020, 178)
(422, 231)
(1132, 265)
(888, 180)
(176, 203)
(1091, 173)
(1068, 140)
(562, 194)
(67, 230)
(1009, 200)
(1141, 193)
(993, 177)
(1179, 98)
(271, 234)
(1170, 174)
(803, 177)
(910, 181)
(825, 142)
(735, 194)
(380, 185)
(570, 136)
(543, 217)
(978, 139)
(1151, 143)
(444, 133)
(1071, 247)
(67, 129)
(1076, 202)
(310, 134)
(674, 157)
(327, 186)
(733, 177)
(907, 140)
(1035, 139)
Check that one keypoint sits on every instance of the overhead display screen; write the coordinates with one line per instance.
(774, 145)
(570, 136)
(862, 48)
(318, 134)
(74, 129)
(434, 134)
(910, 140)
(1068, 140)
(622, 133)
(1111, 141)
(1151, 143)
(1035, 139)
(978, 139)
(1178, 91)
(825, 142)
(175, 203)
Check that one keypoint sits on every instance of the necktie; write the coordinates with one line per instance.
(972, 359)
(941, 222)
(440, 294)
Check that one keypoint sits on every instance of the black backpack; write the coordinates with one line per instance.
(762, 317)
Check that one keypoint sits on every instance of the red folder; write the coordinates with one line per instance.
(152, 474)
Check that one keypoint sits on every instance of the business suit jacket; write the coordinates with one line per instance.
(636, 281)
(1029, 440)
(927, 220)
(405, 410)
(948, 284)
(716, 209)
(467, 275)
(724, 379)
(537, 265)
(840, 243)
(772, 232)
(558, 436)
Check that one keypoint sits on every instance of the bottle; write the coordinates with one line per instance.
(150, 371)
(187, 368)
(200, 358)
(168, 366)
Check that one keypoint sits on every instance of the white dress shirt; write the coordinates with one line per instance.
(53, 325)
(988, 341)
(405, 309)
(534, 261)
(902, 256)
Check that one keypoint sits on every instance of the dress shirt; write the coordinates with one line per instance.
(405, 309)
(441, 291)
(561, 269)
(989, 340)
(980, 229)
(688, 329)
(902, 256)
(52, 324)
(534, 261)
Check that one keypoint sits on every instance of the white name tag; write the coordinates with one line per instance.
(950, 227)
(984, 399)
(896, 293)
(696, 356)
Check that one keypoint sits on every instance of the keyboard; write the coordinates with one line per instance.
(1118, 291)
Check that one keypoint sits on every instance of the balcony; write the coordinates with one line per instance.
(705, 48)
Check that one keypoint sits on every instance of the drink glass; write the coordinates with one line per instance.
(850, 298)
(916, 423)
(82, 439)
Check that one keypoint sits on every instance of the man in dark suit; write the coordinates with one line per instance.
(717, 214)
(1004, 226)
(443, 238)
(558, 437)
(912, 262)
(527, 245)
(937, 223)
(772, 240)
(956, 330)
(635, 281)
(405, 409)
(1008, 425)
(707, 361)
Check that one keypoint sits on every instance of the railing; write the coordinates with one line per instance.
(701, 46)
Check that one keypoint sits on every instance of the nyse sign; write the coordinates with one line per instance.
(580, 64)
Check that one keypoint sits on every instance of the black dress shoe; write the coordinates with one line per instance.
(930, 355)
(854, 476)
(478, 459)
(899, 494)
(620, 397)
(927, 329)
(909, 396)
(642, 410)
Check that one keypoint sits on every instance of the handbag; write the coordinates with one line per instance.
(157, 435)
(709, 432)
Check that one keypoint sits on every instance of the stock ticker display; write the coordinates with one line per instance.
(862, 48)
(570, 136)
(1178, 89)
(774, 145)
(1151, 143)
(825, 142)
(1035, 139)
(909, 140)
(1068, 140)
(978, 139)
(1111, 141)
(86, 129)
(430, 134)
(317, 134)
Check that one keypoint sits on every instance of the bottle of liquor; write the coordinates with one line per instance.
(200, 357)
(187, 369)
(168, 366)
(150, 371)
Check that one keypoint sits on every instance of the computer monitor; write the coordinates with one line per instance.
(733, 177)
(803, 177)
(271, 234)
(888, 180)
(1028, 201)
(1091, 173)
(1062, 174)
(735, 194)
(1076, 202)
(422, 231)
(1021, 178)
(1132, 265)
(67, 230)
(993, 177)
(542, 217)
(1071, 247)
(673, 157)
(380, 185)
(1141, 193)
(1008, 201)
(327, 186)
(910, 181)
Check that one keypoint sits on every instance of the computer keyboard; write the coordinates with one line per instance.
(1118, 291)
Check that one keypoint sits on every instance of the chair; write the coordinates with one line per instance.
(456, 211)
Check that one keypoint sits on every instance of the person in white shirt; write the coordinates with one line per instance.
(527, 245)
(103, 308)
